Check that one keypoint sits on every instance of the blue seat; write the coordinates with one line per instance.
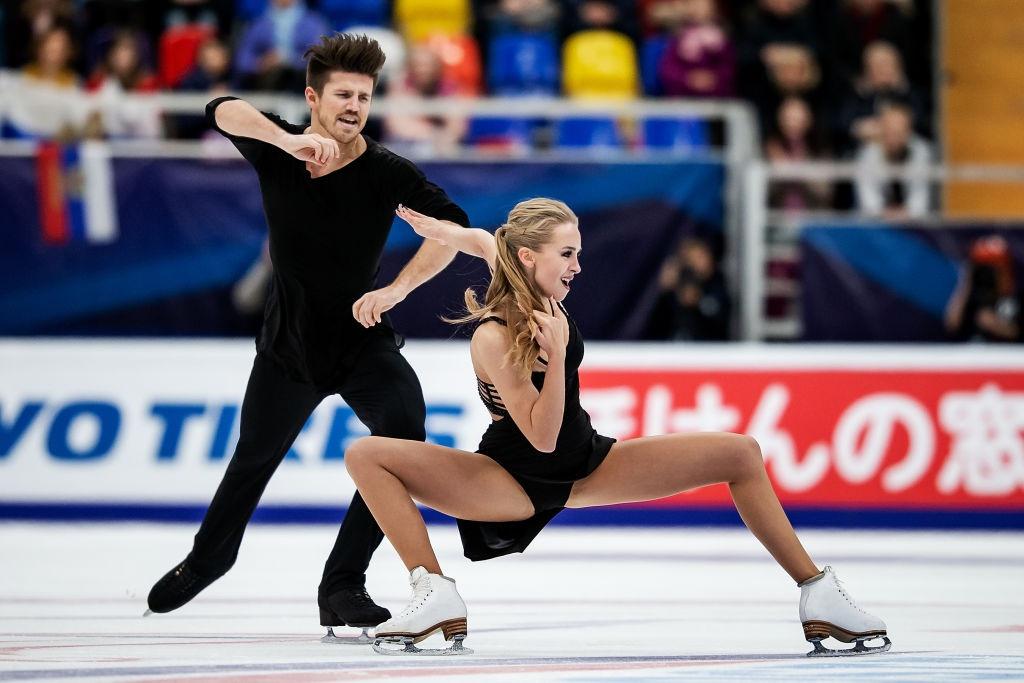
(587, 132)
(500, 132)
(650, 56)
(523, 64)
(341, 14)
(248, 10)
(675, 134)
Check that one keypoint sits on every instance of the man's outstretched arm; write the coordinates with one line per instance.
(430, 259)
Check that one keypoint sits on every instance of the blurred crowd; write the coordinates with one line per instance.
(829, 78)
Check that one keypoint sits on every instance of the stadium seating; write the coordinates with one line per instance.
(342, 14)
(417, 20)
(675, 134)
(650, 55)
(523, 64)
(460, 58)
(599, 64)
(247, 10)
(587, 132)
(178, 48)
(500, 133)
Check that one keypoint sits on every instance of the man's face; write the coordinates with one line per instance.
(896, 124)
(343, 106)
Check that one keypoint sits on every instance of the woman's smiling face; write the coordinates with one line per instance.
(557, 262)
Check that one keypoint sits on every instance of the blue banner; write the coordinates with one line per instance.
(887, 283)
(189, 230)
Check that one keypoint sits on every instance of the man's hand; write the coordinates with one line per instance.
(312, 147)
(368, 310)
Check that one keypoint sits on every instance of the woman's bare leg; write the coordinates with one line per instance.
(392, 473)
(660, 466)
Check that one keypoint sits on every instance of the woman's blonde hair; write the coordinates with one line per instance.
(512, 294)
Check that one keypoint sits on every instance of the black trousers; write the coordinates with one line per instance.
(385, 395)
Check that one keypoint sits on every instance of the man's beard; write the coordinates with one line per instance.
(329, 126)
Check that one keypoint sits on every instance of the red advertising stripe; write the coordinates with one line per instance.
(53, 216)
(837, 438)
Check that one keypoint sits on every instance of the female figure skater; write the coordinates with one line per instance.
(540, 453)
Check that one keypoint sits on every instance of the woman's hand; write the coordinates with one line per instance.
(424, 226)
(551, 334)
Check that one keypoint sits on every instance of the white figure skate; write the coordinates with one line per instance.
(436, 606)
(826, 609)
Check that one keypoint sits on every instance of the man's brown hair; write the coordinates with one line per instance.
(342, 52)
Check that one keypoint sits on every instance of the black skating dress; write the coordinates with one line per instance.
(547, 478)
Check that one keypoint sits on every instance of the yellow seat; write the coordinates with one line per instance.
(419, 19)
(600, 64)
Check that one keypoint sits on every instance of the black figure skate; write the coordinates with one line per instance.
(350, 607)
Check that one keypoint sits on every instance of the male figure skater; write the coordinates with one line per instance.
(330, 196)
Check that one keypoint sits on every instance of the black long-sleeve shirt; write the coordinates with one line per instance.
(326, 239)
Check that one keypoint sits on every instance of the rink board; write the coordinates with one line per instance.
(891, 436)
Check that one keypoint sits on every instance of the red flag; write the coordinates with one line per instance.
(53, 215)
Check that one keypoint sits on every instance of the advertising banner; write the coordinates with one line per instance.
(898, 436)
(887, 283)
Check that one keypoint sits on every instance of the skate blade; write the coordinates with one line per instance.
(409, 647)
(362, 639)
(857, 650)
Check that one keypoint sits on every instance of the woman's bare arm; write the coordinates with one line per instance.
(538, 414)
(472, 241)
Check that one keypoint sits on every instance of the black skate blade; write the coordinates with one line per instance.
(409, 648)
(857, 650)
(362, 639)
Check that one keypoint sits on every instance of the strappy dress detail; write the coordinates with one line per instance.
(487, 391)
(547, 478)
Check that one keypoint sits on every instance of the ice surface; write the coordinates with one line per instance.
(580, 605)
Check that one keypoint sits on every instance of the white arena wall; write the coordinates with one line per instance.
(143, 429)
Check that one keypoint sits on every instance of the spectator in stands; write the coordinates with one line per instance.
(211, 74)
(986, 304)
(424, 78)
(700, 60)
(212, 71)
(24, 27)
(882, 78)
(793, 71)
(607, 15)
(122, 69)
(46, 105)
(52, 63)
(694, 304)
(795, 137)
(775, 25)
(269, 55)
(664, 17)
(529, 16)
(896, 145)
(123, 72)
(859, 23)
(214, 13)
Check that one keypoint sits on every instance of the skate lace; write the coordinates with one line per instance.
(420, 591)
(359, 598)
(842, 591)
(187, 575)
